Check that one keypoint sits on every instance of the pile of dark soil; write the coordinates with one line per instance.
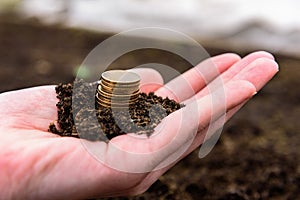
(140, 118)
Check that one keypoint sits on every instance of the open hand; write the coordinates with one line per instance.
(36, 164)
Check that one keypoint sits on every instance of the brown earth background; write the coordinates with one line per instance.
(257, 156)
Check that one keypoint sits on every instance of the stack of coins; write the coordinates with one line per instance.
(118, 89)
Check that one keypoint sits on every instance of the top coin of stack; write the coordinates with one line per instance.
(118, 89)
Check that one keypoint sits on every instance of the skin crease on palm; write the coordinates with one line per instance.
(36, 164)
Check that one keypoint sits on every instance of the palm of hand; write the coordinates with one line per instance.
(41, 164)
(59, 164)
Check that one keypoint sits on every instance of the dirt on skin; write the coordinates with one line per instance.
(257, 156)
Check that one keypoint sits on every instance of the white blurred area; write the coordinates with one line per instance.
(272, 25)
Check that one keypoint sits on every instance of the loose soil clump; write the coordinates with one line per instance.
(96, 123)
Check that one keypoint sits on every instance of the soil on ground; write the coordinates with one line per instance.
(257, 156)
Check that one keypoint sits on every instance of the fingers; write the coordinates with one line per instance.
(259, 72)
(249, 68)
(151, 79)
(195, 79)
(244, 63)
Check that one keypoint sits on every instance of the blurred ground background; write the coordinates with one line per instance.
(257, 156)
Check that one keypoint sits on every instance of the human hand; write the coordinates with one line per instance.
(36, 164)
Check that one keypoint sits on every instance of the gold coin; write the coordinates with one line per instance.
(120, 77)
(131, 99)
(118, 88)
(117, 102)
(112, 90)
(108, 100)
(118, 96)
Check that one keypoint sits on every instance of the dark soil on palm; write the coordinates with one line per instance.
(77, 111)
(257, 156)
